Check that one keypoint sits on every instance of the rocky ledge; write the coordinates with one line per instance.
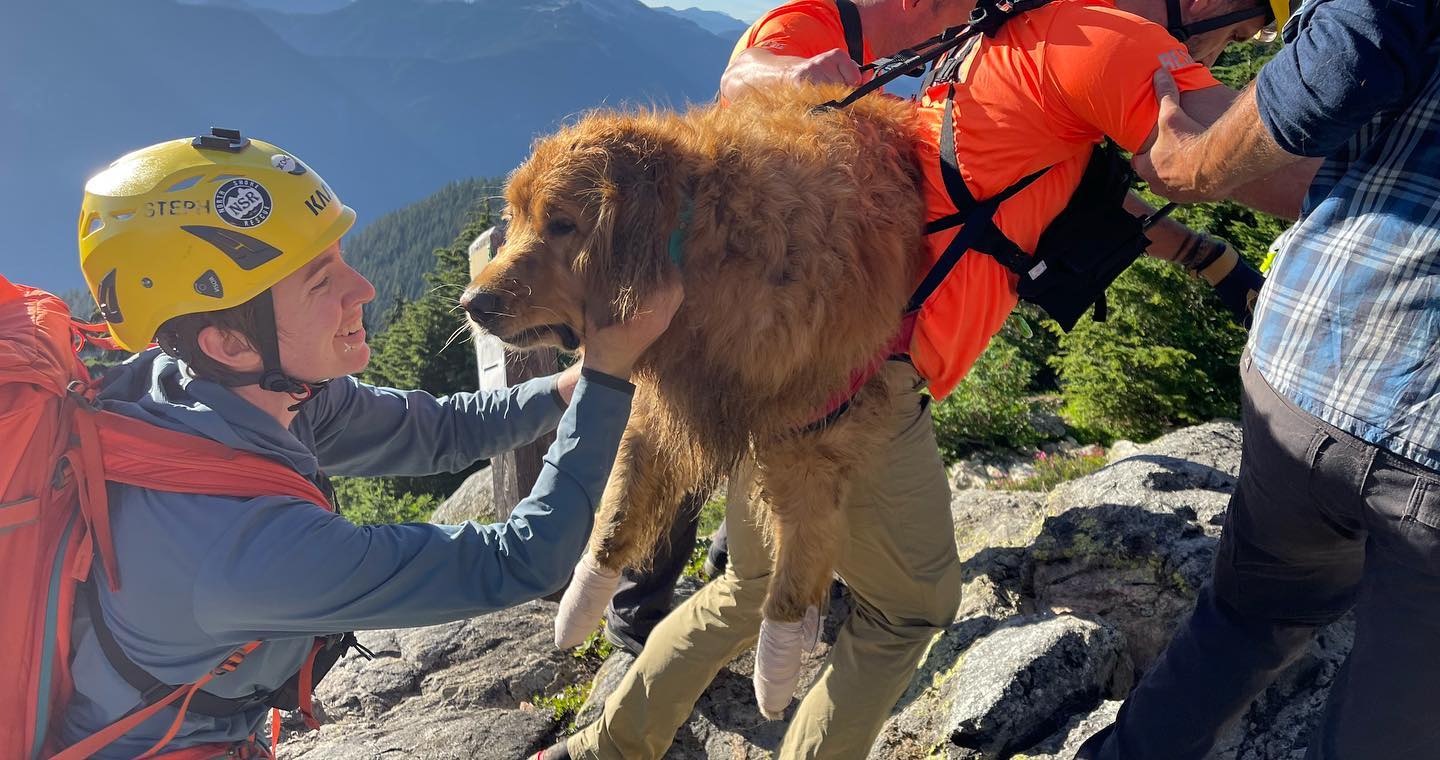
(1069, 597)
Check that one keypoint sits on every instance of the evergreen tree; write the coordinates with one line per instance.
(395, 251)
(427, 347)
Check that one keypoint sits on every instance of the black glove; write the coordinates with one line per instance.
(1235, 281)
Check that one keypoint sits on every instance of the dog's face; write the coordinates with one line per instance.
(586, 224)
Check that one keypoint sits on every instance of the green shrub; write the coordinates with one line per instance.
(380, 501)
(711, 515)
(1052, 470)
(991, 406)
(1167, 355)
(564, 704)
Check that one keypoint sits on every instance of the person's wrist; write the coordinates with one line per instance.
(613, 366)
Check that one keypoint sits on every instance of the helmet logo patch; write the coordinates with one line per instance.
(287, 164)
(243, 202)
(208, 284)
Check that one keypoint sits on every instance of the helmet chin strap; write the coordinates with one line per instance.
(271, 376)
(1184, 32)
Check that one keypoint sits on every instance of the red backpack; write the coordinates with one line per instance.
(57, 453)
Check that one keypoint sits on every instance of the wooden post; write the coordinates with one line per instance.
(514, 472)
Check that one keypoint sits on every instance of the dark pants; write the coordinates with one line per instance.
(1321, 522)
(644, 598)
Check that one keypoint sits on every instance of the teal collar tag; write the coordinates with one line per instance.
(677, 237)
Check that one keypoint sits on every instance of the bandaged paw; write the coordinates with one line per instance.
(777, 660)
(584, 602)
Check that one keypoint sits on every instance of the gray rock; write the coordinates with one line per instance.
(1122, 449)
(1138, 570)
(473, 500)
(1015, 681)
(492, 661)
(1047, 424)
(1133, 542)
(1010, 689)
(991, 519)
(1066, 742)
(1063, 593)
(981, 469)
(606, 680)
(447, 734)
(919, 705)
(1190, 473)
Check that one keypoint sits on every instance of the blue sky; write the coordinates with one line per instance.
(745, 10)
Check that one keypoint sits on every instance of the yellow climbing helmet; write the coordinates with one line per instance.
(1281, 11)
(196, 225)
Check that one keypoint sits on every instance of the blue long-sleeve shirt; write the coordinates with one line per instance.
(201, 575)
(1343, 62)
(1347, 324)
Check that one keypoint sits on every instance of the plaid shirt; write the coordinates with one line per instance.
(1348, 324)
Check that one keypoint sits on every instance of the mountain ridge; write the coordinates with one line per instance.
(385, 125)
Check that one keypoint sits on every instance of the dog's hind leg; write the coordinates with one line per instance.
(804, 482)
(645, 488)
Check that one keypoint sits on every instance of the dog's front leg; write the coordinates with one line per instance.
(644, 490)
(805, 483)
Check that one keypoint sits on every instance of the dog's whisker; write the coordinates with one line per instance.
(547, 308)
(453, 336)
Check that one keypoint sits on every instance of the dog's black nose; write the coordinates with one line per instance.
(480, 304)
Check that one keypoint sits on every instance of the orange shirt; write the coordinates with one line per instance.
(1049, 86)
(802, 29)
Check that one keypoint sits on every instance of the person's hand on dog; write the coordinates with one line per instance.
(565, 383)
(830, 67)
(614, 348)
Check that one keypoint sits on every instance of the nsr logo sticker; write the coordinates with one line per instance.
(243, 202)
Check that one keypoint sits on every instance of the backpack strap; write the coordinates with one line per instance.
(850, 23)
(152, 689)
(986, 19)
(103, 738)
(120, 449)
(138, 453)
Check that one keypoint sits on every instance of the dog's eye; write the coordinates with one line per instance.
(559, 227)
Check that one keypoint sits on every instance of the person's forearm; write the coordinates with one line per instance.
(1281, 193)
(1235, 152)
(1168, 238)
(756, 68)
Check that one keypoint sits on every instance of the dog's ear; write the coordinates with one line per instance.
(639, 197)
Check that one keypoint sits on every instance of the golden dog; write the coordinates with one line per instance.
(796, 236)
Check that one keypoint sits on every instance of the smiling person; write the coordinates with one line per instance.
(226, 251)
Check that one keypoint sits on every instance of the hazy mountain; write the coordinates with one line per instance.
(722, 25)
(388, 99)
(284, 6)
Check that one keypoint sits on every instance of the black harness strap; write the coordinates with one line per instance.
(1182, 31)
(854, 38)
(986, 19)
(979, 231)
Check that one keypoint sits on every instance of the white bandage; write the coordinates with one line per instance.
(584, 602)
(777, 660)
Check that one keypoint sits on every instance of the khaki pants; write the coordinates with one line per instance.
(901, 567)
